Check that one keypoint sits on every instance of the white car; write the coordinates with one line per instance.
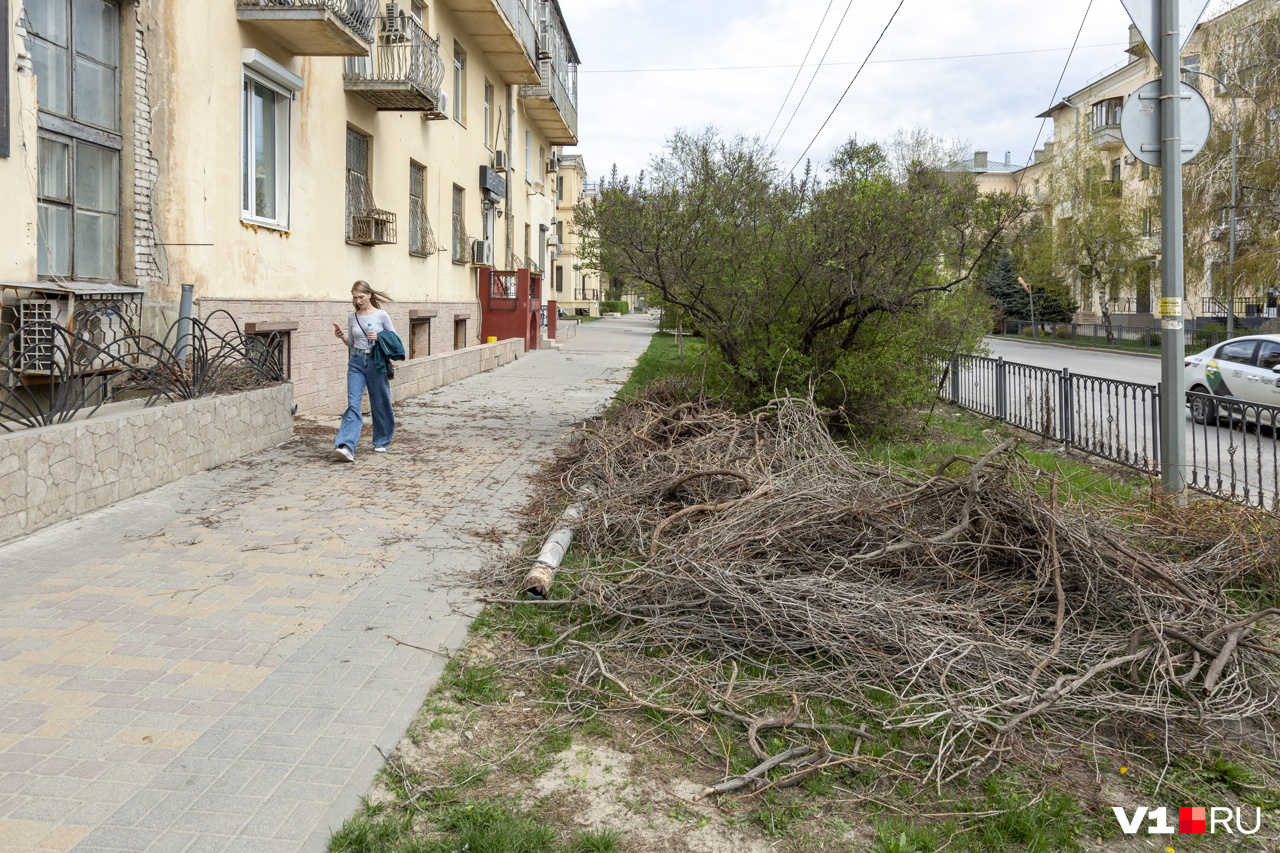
(1242, 369)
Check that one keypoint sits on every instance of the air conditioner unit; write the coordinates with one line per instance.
(482, 253)
(500, 161)
(1129, 159)
(552, 164)
(444, 102)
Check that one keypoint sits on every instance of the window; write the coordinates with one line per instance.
(1192, 64)
(421, 239)
(420, 337)
(542, 247)
(1115, 170)
(459, 230)
(359, 195)
(488, 115)
(459, 334)
(459, 84)
(1238, 351)
(75, 50)
(528, 156)
(559, 189)
(266, 101)
(1269, 355)
(527, 243)
(559, 278)
(1107, 113)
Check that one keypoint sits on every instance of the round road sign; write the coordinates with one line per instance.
(1140, 122)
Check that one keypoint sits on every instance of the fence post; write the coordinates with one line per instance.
(1155, 423)
(955, 380)
(1067, 409)
(1002, 408)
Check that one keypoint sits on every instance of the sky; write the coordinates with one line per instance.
(973, 71)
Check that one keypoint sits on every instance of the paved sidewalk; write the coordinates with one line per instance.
(211, 666)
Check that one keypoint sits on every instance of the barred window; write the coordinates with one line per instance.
(422, 242)
(359, 197)
(459, 230)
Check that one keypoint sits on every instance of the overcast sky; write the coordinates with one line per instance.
(977, 71)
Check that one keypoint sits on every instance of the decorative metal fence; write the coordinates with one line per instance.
(1232, 450)
(1099, 335)
(1103, 417)
(1233, 447)
(50, 374)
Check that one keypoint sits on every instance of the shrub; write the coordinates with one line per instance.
(1064, 333)
(613, 306)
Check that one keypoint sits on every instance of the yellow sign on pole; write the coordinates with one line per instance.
(1170, 306)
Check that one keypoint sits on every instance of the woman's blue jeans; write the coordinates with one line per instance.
(362, 373)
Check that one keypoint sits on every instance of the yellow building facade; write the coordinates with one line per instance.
(272, 152)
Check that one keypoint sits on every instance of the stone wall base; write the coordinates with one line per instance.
(53, 473)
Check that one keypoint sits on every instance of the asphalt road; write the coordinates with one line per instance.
(1239, 463)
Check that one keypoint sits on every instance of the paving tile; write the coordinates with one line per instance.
(191, 691)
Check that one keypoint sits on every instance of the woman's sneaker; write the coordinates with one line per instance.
(345, 452)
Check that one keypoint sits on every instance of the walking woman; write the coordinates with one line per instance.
(363, 326)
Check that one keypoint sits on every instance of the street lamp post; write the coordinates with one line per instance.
(1231, 237)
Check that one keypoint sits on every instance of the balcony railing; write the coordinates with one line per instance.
(1245, 306)
(559, 118)
(314, 27)
(518, 16)
(404, 70)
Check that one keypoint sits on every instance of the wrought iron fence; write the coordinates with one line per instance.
(1232, 450)
(1100, 335)
(50, 374)
(1103, 417)
(1233, 447)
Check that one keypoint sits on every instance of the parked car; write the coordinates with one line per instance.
(1241, 370)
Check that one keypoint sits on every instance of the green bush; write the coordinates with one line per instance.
(1064, 333)
(613, 306)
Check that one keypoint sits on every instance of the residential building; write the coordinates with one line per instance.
(272, 152)
(1087, 143)
(576, 288)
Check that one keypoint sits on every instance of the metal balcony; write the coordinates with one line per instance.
(1107, 136)
(403, 72)
(551, 106)
(313, 27)
(504, 32)
(552, 102)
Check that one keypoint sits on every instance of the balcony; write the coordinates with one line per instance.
(404, 71)
(505, 33)
(1108, 136)
(313, 27)
(551, 106)
(552, 101)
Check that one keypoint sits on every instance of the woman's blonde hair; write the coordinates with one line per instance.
(376, 297)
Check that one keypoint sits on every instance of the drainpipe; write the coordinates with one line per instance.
(184, 325)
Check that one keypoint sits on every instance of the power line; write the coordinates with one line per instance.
(838, 64)
(850, 86)
(800, 68)
(818, 68)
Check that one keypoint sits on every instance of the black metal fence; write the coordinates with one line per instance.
(52, 374)
(1103, 417)
(1232, 450)
(1233, 447)
(1142, 338)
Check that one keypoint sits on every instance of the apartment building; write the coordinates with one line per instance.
(576, 288)
(271, 152)
(1086, 133)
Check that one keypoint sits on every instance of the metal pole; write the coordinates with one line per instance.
(184, 326)
(1231, 238)
(1173, 437)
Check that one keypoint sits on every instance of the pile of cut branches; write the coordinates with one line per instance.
(984, 606)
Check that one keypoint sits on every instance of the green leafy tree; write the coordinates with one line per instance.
(853, 283)
(1098, 229)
